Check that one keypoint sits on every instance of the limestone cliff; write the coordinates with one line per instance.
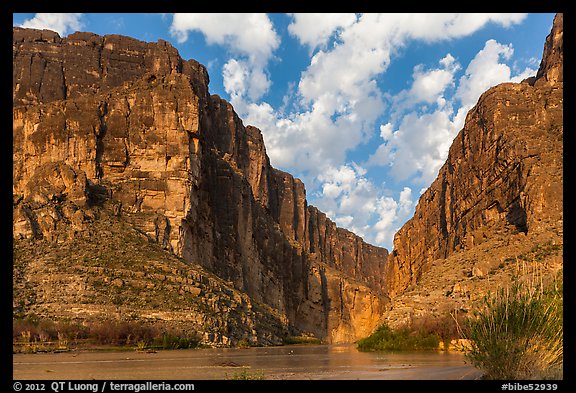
(500, 190)
(112, 126)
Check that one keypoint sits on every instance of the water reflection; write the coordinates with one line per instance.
(289, 362)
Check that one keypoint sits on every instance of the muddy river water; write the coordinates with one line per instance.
(287, 362)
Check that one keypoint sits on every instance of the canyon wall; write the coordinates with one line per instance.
(505, 167)
(116, 123)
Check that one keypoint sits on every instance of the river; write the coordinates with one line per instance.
(301, 362)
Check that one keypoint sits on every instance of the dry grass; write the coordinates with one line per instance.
(34, 335)
(518, 332)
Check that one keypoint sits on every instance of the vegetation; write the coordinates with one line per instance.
(34, 335)
(518, 333)
(422, 332)
(294, 340)
(386, 339)
(245, 375)
(172, 341)
(540, 251)
(114, 267)
(444, 326)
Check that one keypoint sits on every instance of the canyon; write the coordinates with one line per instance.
(112, 126)
(137, 194)
(494, 214)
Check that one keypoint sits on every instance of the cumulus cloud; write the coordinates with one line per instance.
(392, 215)
(439, 27)
(250, 39)
(484, 71)
(337, 103)
(338, 93)
(241, 78)
(314, 30)
(60, 23)
(354, 202)
(428, 86)
(311, 140)
(526, 73)
(417, 147)
(249, 34)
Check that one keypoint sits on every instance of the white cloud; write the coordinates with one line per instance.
(392, 215)
(337, 103)
(384, 229)
(312, 140)
(236, 76)
(418, 148)
(438, 27)
(386, 131)
(528, 72)
(354, 202)
(250, 38)
(484, 71)
(405, 202)
(428, 86)
(241, 78)
(60, 23)
(314, 30)
(339, 96)
(349, 196)
(419, 145)
(252, 35)
(449, 62)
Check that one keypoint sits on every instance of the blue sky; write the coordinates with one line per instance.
(361, 107)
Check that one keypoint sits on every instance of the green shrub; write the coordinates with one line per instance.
(518, 334)
(295, 340)
(170, 341)
(386, 339)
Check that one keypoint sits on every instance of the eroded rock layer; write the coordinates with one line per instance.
(118, 124)
(503, 174)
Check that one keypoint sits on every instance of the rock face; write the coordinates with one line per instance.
(503, 173)
(111, 271)
(119, 124)
(551, 69)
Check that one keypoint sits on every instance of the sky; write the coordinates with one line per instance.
(361, 107)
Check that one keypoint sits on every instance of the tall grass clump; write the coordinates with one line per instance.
(518, 333)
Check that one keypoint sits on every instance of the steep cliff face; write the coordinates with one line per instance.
(118, 124)
(503, 173)
(48, 68)
(551, 69)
